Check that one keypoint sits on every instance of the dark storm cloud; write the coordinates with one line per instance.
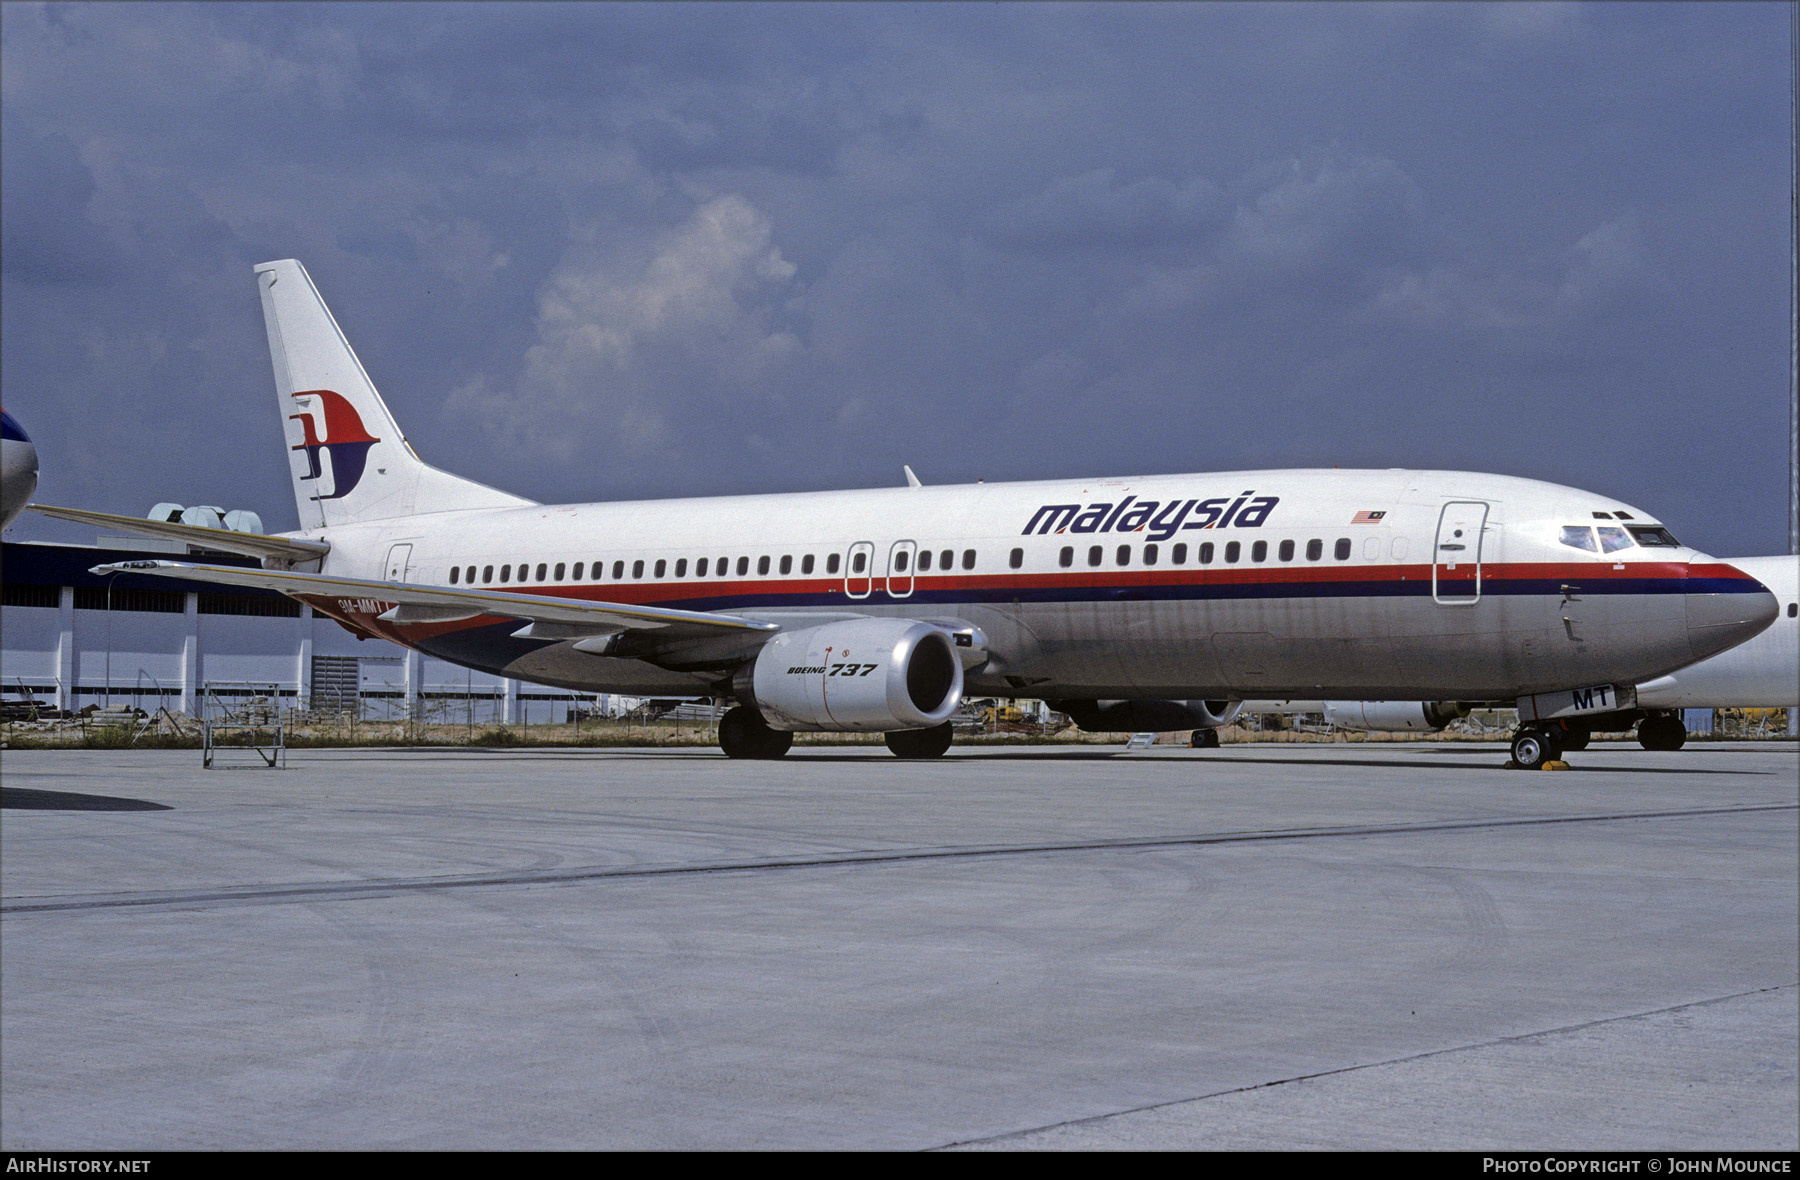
(616, 250)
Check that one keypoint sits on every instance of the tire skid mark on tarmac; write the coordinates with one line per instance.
(387, 1036)
(358, 890)
(1025, 1134)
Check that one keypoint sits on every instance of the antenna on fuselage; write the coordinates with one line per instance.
(912, 481)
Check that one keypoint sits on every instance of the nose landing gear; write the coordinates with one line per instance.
(1534, 745)
(1662, 731)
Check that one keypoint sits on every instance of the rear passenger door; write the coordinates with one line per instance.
(399, 556)
(901, 560)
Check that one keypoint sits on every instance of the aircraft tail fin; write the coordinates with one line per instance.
(348, 459)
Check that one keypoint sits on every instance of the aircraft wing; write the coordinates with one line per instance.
(548, 617)
(286, 549)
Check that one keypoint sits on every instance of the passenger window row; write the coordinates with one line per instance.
(1204, 553)
(702, 567)
(946, 560)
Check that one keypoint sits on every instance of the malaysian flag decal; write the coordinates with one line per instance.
(1367, 517)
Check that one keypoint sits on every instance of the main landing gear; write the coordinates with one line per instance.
(744, 734)
(1204, 739)
(1541, 742)
(919, 743)
(1662, 731)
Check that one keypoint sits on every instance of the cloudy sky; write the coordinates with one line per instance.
(606, 251)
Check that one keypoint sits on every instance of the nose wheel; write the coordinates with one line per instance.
(1533, 746)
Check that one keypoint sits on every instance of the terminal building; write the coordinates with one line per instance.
(70, 638)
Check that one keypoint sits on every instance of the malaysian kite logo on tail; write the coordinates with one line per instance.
(346, 440)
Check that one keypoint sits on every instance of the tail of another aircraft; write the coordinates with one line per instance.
(347, 456)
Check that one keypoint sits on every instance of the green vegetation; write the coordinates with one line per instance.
(166, 733)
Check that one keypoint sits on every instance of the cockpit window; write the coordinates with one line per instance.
(1579, 536)
(1653, 536)
(1613, 539)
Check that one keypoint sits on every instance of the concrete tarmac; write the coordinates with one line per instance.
(1265, 946)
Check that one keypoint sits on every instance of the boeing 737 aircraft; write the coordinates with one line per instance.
(1137, 603)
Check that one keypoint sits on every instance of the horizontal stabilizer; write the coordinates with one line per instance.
(285, 549)
(441, 603)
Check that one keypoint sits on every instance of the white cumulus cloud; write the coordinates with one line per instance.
(624, 340)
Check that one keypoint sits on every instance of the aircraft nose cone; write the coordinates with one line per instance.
(1725, 606)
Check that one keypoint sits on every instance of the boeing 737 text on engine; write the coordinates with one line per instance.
(1152, 602)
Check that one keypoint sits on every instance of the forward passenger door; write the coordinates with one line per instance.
(1456, 554)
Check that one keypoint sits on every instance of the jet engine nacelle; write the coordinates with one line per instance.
(1148, 716)
(1393, 716)
(858, 675)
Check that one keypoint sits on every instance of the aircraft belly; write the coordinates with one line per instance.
(1189, 648)
(1350, 647)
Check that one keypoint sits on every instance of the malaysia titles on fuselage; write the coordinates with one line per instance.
(1156, 519)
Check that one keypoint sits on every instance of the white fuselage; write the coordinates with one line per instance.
(1322, 583)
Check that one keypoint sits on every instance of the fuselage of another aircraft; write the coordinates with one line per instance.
(1762, 673)
(18, 469)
